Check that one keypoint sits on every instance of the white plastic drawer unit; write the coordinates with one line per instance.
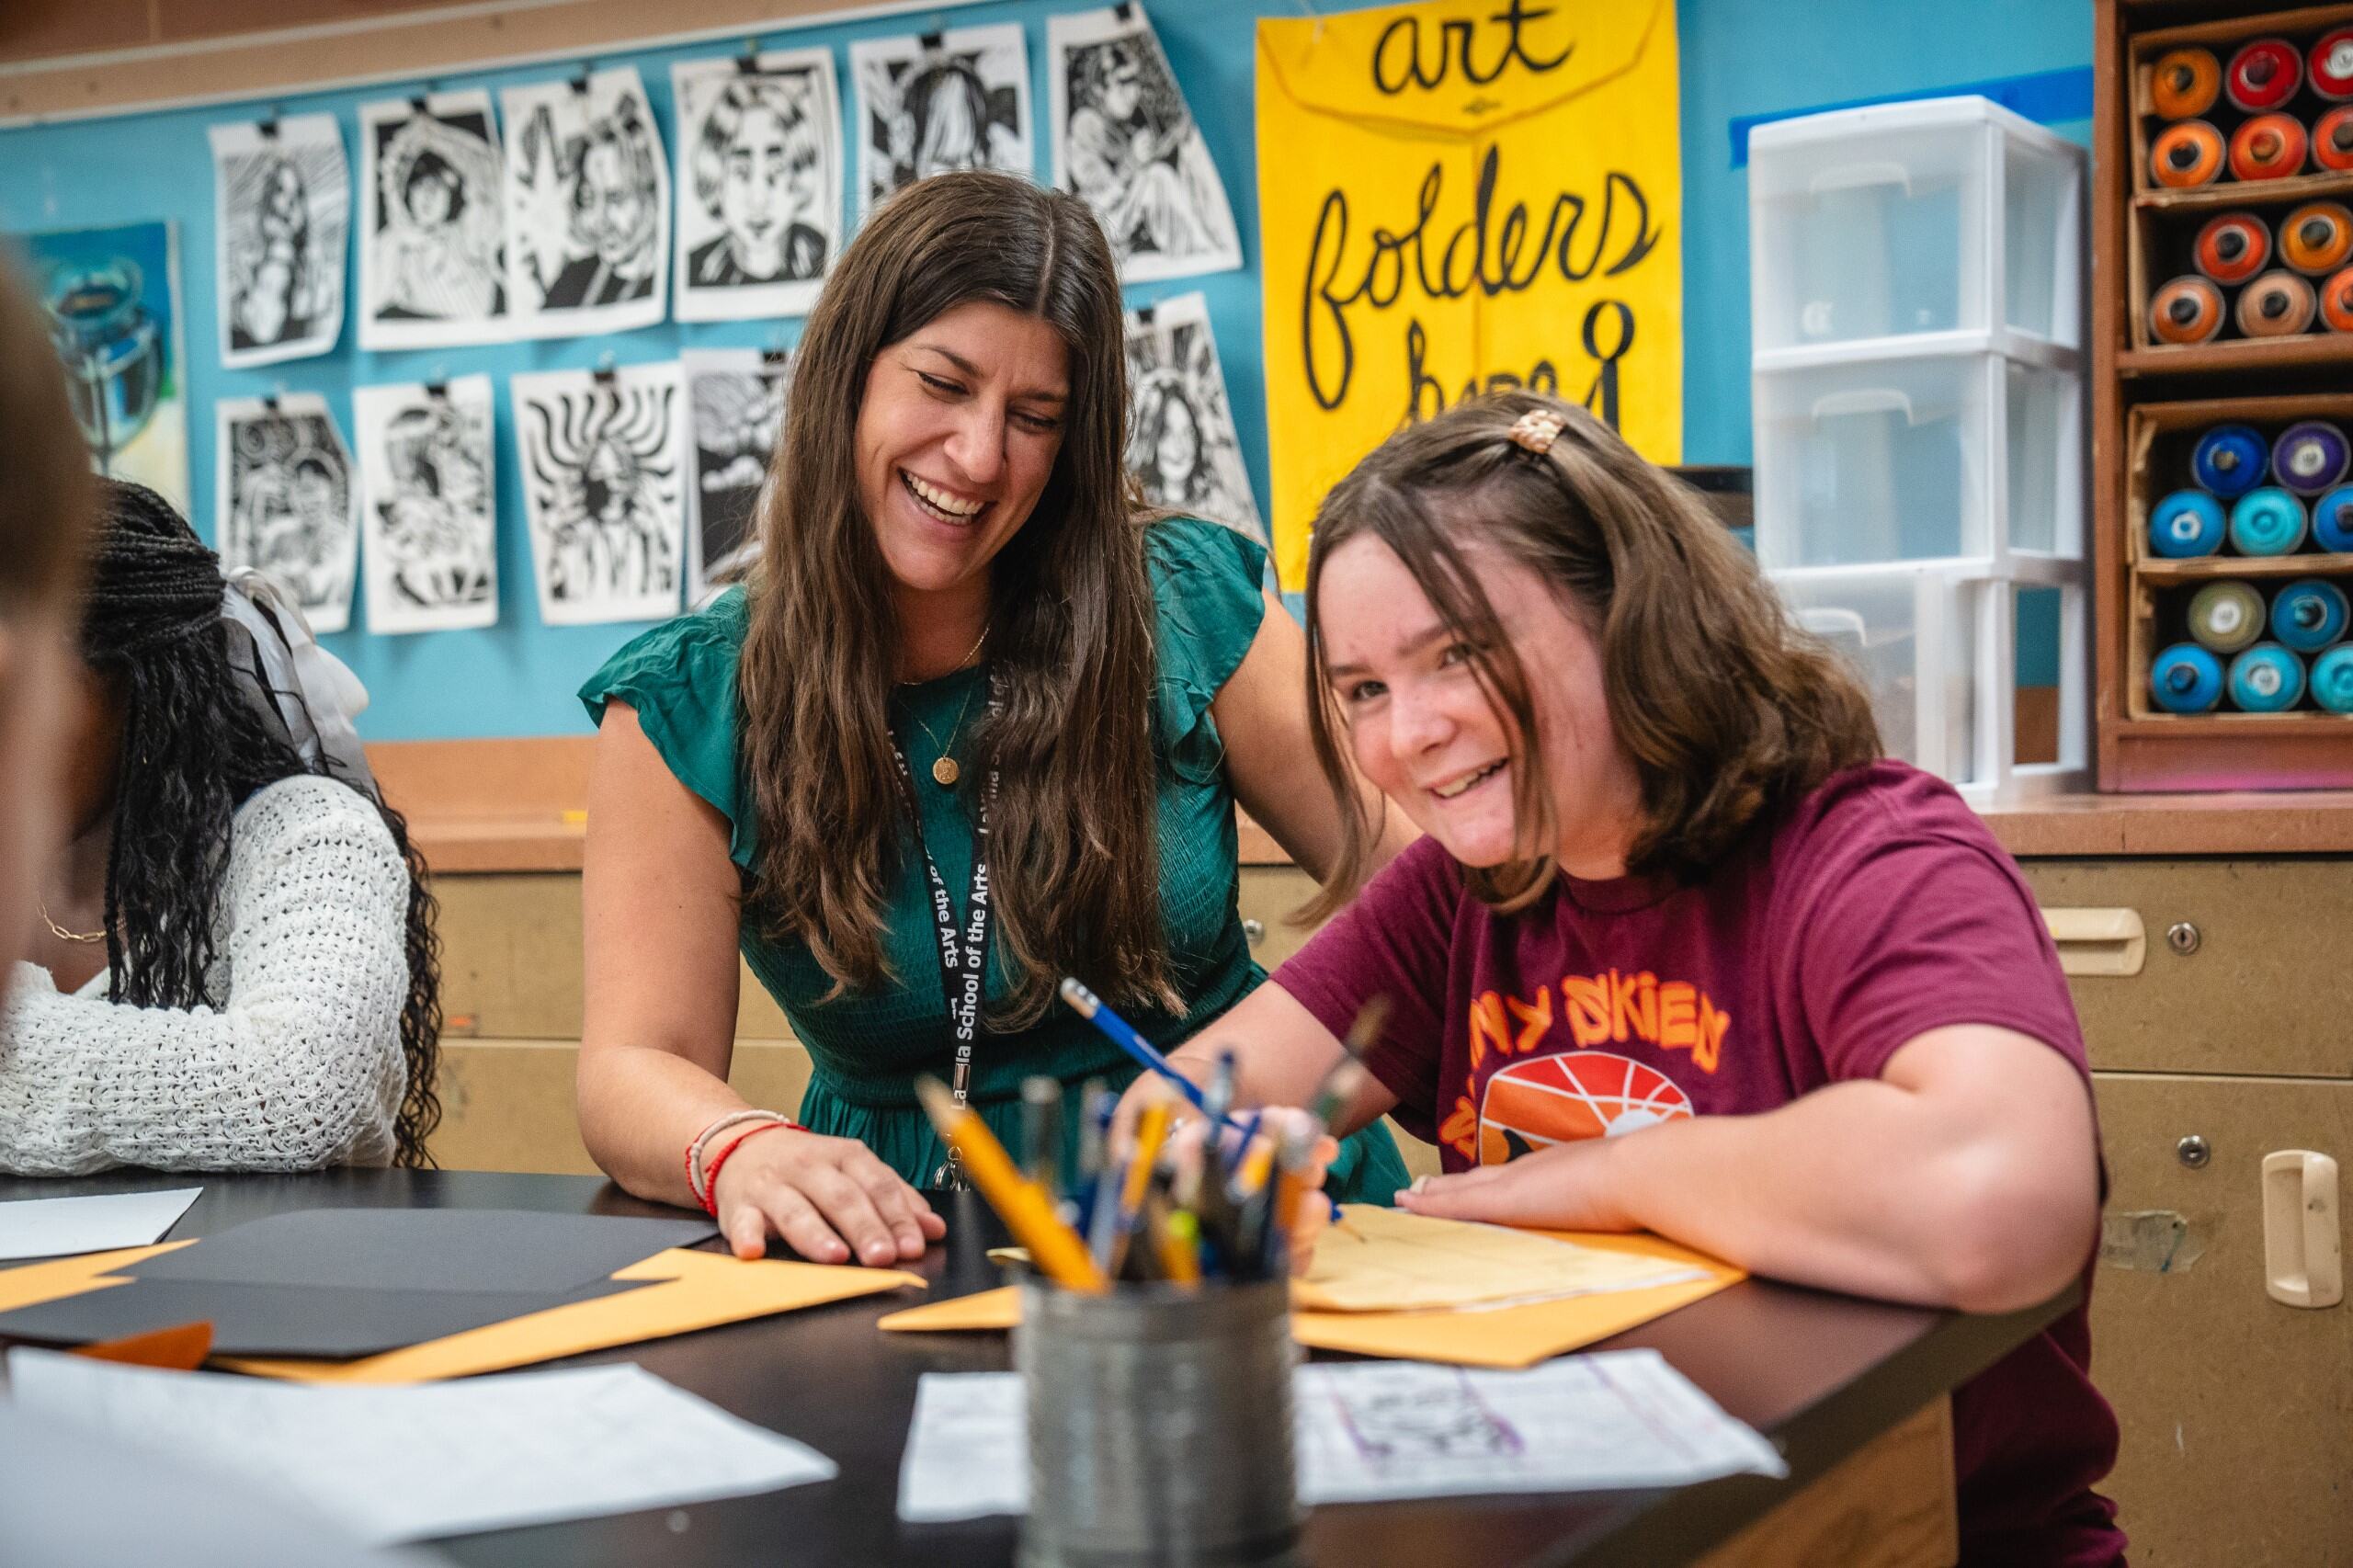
(1942, 215)
(1911, 635)
(1972, 457)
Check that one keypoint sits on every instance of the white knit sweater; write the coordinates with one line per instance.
(300, 1068)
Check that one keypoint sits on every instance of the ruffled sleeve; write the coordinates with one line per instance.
(1207, 586)
(681, 678)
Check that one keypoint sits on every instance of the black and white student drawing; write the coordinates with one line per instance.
(1181, 442)
(935, 102)
(605, 472)
(588, 207)
(1125, 141)
(432, 223)
(427, 506)
(759, 183)
(282, 205)
(286, 501)
(737, 397)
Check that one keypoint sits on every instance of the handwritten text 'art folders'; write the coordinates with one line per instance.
(1461, 196)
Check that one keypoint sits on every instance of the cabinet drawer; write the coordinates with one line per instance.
(2266, 984)
(1270, 893)
(2238, 1412)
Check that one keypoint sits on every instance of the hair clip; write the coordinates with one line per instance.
(931, 43)
(268, 126)
(775, 358)
(748, 62)
(1536, 430)
(437, 391)
(580, 82)
(1126, 11)
(1143, 315)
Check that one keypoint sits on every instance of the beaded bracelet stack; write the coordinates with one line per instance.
(703, 1181)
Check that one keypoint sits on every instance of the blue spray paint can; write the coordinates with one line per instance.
(2333, 520)
(2309, 615)
(2267, 521)
(2185, 679)
(2230, 459)
(2185, 523)
(2267, 679)
(2333, 679)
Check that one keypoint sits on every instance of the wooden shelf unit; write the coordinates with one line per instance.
(2148, 402)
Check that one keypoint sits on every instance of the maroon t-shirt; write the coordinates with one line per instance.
(1878, 909)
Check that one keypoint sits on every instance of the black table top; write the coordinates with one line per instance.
(1820, 1374)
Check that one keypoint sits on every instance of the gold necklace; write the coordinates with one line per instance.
(944, 771)
(61, 933)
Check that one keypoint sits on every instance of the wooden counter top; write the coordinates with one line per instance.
(480, 806)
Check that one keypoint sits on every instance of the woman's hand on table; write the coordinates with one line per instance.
(829, 1199)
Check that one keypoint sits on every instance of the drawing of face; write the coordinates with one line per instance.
(957, 436)
(1179, 447)
(615, 211)
(1121, 91)
(950, 114)
(432, 194)
(281, 203)
(1422, 728)
(609, 483)
(753, 197)
(314, 502)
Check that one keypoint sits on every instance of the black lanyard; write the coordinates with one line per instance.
(964, 955)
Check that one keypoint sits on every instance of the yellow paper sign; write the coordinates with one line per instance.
(1462, 196)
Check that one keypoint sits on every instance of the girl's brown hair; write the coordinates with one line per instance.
(1073, 852)
(1727, 710)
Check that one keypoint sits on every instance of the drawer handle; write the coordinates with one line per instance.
(2303, 1256)
(2109, 942)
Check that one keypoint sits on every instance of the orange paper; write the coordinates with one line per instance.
(698, 1289)
(1508, 1336)
(54, 1280)
(181, 1349)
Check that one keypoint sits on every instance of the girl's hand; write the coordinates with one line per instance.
(829, 1199)
(1559, 1188)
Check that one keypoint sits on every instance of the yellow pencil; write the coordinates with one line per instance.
(1028, 1211)
(1181, 1248)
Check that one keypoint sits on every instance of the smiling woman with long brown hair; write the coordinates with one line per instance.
(976, 714)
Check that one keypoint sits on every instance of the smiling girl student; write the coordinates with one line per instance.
(976, 715)
(1679, 952)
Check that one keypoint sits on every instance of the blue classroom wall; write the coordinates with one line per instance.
(1741, 60)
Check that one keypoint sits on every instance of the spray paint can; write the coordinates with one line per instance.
(2267, 679)
(2269, 521)
(2309, 615)
(2333, 140)
(2233, 247)
(2333, 521)
(2185, 155)
(2333, 679)
(2185, 679)
(2185, 524)
(2318, 238)
(2185, 82)
(2330, 65)
(2264, 75)
(2337, 301)
(2269, 146)
(2187, 309)
(2310, 457)
(2277, 304)
(2226, 617)
(2230, 459)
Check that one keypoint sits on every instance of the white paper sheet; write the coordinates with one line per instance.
(933, 103)
(1182, 446)
(432, 222)
(394, 1464)
(281, 213)
(759, 183)
(60, 1227)
(737, 396)
(1382, 1430)
(1125, 139)
(287, 503)
(428, 504)
(605, 460)
(588, 207)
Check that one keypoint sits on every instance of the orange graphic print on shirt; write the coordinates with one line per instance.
(1582, 1091)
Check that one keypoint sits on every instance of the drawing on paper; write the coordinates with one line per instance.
(282, 204)
(427, 506)
(759, 183)
(737, 397)
(286, 502)
(112, 297)
(604, 484)
(939, 102)
(433, 265)
(1404, 1423)
(587, 204)
(1125, 141)
(1182, 446)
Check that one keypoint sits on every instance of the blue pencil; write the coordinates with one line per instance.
(1123, 1034)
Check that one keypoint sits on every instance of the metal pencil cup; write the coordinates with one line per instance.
(1160, 1426)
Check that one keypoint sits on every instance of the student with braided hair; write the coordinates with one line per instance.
(234, 964)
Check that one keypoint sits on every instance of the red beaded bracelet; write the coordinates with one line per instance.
(710, 1176)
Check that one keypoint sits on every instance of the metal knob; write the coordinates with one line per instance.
(2193, 1152)
(2183, 938)
(1253, 932)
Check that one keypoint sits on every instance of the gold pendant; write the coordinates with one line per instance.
(945, 772)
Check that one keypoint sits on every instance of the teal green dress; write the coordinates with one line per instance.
(867, 1047)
